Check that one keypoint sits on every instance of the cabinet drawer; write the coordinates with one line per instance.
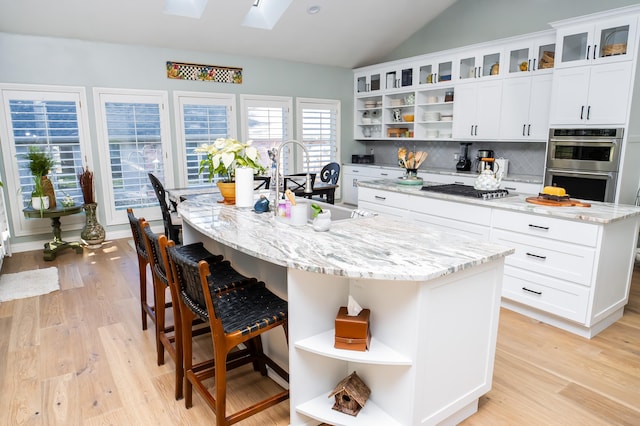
(545, 293)
(448, 225)
(522, 187)
(451, 210)
(382, 209)
(546, 227)
(556, 259)
(386, 198)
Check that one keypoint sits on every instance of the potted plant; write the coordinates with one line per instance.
(221, 159)
(40, 163)
(93, 233)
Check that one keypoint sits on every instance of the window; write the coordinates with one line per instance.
(266, 120)
(132, 132)
(53, 119)
(201, 118)
(318, 130)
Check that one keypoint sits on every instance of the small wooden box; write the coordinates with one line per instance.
(352, 333)
(396, 132)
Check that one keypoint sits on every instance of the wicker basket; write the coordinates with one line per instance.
(614, 49)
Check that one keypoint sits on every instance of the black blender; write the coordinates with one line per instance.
(464, 164)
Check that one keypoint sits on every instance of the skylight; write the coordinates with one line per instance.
(187, 8)
(265, 14)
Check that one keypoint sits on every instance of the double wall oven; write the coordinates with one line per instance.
(585, 162)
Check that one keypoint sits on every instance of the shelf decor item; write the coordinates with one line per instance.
(221, 159)
(350, 395)
(93, 234)
(40, 163)
(214, 73)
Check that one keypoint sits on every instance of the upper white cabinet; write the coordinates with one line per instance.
(525, 108)
(592, 95)
(530, 54)
(368, 82)
(434, 70)
(476, 111)
(596, 40)
(398, 77)
(479, 63)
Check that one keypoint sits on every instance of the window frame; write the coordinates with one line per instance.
(21, 225)
(315, 103)
(101, 95)
(180, 98)
(285, 102)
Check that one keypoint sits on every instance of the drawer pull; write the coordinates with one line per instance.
(545, 228)
(384, 174)
(380, 198)
(458, 182)
(537, 256)
(539, 293)
(510, 188)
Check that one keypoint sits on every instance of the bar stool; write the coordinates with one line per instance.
(236, 314)
(143, 261)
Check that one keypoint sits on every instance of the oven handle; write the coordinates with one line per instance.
(579, 173)
(584, 142)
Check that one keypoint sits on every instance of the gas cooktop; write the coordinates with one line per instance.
(467, 191)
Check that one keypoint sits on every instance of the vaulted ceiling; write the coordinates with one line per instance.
(344, 33)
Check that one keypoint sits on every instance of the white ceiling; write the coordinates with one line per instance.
(345, 33)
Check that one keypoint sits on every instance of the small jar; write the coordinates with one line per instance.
(448, 96)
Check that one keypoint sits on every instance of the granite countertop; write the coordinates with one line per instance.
(598, 212)
(448, 171)
(373, 247)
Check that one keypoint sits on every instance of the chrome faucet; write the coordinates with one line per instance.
(307, 185)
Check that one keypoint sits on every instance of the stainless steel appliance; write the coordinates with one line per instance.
(481, 164)
(585, 162)
(466, 191)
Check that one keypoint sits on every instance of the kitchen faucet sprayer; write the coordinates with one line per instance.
(307, 186)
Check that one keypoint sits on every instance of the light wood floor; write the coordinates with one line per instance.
(79, 357)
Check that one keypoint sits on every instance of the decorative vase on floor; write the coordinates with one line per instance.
(228, 192)
(93, 233)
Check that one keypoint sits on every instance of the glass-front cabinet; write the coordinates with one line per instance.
(531, 54)
(610, 40)
(400, 76)
(437, 70)
(477, 64)
(368, 82)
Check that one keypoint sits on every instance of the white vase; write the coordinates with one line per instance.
(40, 203)
(244, 187)
(322, 222)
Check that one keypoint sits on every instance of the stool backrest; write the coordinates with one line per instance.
(136, 231)
(330, 173)
(156, 261)
(186, 273)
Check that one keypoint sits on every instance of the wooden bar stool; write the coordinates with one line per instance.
(236, 314)
(143, 261)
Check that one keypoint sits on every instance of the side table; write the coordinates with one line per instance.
(56, 245)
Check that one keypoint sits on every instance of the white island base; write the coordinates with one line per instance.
(433, 338)
(432, 349)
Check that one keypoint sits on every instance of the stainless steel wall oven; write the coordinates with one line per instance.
(585, 162)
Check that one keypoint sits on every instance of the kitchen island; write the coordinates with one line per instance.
(572, 266)
(434, 300)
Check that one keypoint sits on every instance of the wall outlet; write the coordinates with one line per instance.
(456, 157)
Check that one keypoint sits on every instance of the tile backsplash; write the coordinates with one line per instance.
(525, 158)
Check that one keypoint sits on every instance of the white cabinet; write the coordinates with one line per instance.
(525, 105)
(522, 187)
(383, 202)
(398, 77)
(435, 70)
(578, 272)
(531, 54)
(368, 82)
(596, 40)
(476, 110)
(480, 63)
(598, 95)
(352, 174)
(447, 216)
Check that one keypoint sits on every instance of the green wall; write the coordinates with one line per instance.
(55, 61)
